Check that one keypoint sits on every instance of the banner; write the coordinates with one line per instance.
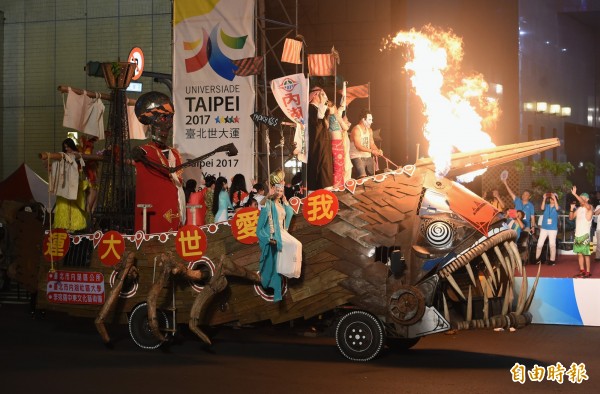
(213, 103)
(291, 94)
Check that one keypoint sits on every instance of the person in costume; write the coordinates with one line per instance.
(209, 187)
(281, 253)
(197, 198)
(337, 127)
(362, 146)
(91, 172)
(320, 158)
(238, 192)
(158, 181)
(221, 202)
(68, 185)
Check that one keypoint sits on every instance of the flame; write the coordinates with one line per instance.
(454, 105)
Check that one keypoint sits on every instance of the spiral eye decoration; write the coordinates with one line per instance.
(439, 234)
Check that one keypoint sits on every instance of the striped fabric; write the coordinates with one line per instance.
(249, 66)
(321, 65)
(291, 51)
(354, 92)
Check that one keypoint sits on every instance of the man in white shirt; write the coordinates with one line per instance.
(583, 224)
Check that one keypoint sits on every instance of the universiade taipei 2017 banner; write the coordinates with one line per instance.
(212, 104)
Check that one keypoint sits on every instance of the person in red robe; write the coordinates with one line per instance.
(158, 182)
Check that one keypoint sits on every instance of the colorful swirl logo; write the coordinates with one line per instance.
(211, 53)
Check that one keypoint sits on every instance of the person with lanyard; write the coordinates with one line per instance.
(523, 204)
(549, 227)
(583, 224)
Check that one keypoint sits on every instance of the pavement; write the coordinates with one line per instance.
(57, 353)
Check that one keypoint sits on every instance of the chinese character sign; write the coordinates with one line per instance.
(75, 287)
(111, 248)
(56, 244)
(320, 207)
(243, 225)
(190, 242)
(291, 94)
(213, 99)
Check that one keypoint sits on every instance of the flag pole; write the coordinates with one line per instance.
(336, 59)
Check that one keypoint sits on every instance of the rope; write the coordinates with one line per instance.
(388, 162)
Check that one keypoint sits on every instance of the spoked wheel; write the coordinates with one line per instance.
(359, 336)
(401, 344)
(139, 329)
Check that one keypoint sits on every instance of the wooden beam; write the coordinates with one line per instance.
(92, 94)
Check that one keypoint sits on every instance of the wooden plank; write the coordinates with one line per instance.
(371, 217)
(318, 284)
(352, 244)
(388, 230)
(350, 216)
(346, 199)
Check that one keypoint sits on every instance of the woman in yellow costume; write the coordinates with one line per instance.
(68, 185)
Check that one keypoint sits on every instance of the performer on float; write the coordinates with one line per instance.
(67, 184)
(281, 253)
(157, 183)
(320, 158)
(91, 172)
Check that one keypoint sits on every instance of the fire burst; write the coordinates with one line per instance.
(454, 105)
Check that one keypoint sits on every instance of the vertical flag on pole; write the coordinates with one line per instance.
(291, 94)
(354, 92)
(321, 65)
(291, 51)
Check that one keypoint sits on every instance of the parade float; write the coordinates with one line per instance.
(400, 255)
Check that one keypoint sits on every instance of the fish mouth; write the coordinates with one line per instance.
(480, 284)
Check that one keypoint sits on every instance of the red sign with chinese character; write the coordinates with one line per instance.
(243, 225)
(111, 248)
(190, 242)
(320, 207)
(75, 287)
(56, 244)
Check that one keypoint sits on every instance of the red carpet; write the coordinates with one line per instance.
(566, 267)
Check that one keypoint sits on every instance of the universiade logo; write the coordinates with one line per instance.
(211, 53)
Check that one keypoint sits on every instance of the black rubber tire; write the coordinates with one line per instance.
(401, 344)
(139, 329)
(359, 336)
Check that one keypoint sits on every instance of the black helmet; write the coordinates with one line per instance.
(154, 108)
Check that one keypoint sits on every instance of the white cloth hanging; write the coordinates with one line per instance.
(64, 177)
(137, 131)
(74, 107)
(92, 122)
